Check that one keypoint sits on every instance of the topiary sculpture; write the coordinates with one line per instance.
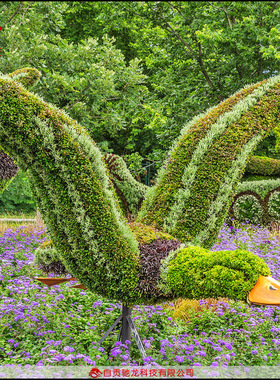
(190, 199)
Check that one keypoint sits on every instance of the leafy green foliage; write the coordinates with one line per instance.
(195, 53)
(147, 234)
(130, 192)
(27, 76)
(260, 187)
(91, 81)
(195, 188)
(170, 180)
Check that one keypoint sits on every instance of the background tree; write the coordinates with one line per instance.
(90, 80)
(133, 73)
(195, 54)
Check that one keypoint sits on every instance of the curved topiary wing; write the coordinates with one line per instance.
(195, 188)
(73, 191)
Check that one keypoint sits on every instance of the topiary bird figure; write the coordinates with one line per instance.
(189, 202)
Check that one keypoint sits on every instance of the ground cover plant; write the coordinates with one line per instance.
(62, 326)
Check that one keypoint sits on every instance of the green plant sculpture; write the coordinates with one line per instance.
(193, 192)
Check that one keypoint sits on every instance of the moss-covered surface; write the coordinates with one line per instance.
(194, 192)
(212, 173)
(146, 234)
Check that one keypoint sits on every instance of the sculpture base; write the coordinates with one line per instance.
(127, 325)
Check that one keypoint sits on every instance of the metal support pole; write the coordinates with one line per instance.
(126, 330)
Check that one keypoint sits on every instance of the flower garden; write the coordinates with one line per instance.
(59, 326)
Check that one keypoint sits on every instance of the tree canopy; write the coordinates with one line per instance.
(133, 73)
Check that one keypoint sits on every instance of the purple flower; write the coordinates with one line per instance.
(69, 349)
(228, 346)
(179, 359)
(214, 364)
(115, 352)
(202, 353)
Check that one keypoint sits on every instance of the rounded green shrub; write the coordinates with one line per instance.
(197, 273)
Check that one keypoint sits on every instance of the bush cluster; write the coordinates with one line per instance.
(256, 202)
(169, 180)
(28, 76)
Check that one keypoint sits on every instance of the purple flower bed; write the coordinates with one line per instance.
(61, 326)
